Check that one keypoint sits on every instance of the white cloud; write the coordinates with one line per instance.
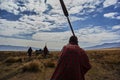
(56, 40)
(89, 36)
(117, 5)
(108, 3)
(9, 6)
(95, 35)
(52, 36)
(29, 24)
(5, 30)
(75, 9)
(20, 42)
(39, 6)
(116, 27)
(113, 15)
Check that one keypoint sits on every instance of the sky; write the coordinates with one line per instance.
(38, 22)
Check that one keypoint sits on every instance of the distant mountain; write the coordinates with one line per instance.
(23, 48)
(105, 45)
(14, 48)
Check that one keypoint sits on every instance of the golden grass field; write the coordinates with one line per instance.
(16, 65)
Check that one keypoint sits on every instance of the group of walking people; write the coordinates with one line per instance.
(45, 51)
(73, 62)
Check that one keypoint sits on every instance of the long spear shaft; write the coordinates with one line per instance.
(70, 26)
(66, 14)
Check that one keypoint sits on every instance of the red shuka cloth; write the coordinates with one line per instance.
(72, 65)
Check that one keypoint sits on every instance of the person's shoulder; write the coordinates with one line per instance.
(78, 48)
(67, 45)
(82, 49)
(64, 47)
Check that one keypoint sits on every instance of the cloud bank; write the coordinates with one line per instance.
(36, 22)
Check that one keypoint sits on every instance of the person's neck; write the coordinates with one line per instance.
(73, 43)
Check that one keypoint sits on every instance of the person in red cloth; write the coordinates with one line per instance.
(73, 63)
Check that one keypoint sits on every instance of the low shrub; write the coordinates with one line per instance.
(50, 64)
(13, 60)
(32, 67)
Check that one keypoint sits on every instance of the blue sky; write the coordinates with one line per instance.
(36, 22)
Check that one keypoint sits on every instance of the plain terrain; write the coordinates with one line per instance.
(16, 65)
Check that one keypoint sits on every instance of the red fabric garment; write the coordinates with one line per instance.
(72, 65)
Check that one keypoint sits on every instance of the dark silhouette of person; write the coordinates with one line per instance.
(73, 63)
(29, 52)
(40, 51)
(45, 51)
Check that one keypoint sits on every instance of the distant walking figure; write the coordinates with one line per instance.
(29, 52)
(73, 63)
(45, 51)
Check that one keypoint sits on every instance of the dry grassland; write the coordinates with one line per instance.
(16, 65)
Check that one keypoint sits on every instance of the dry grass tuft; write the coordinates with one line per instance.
(33, 66)
(13, 60)
(50, 64)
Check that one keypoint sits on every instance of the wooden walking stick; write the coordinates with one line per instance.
(66, 14)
